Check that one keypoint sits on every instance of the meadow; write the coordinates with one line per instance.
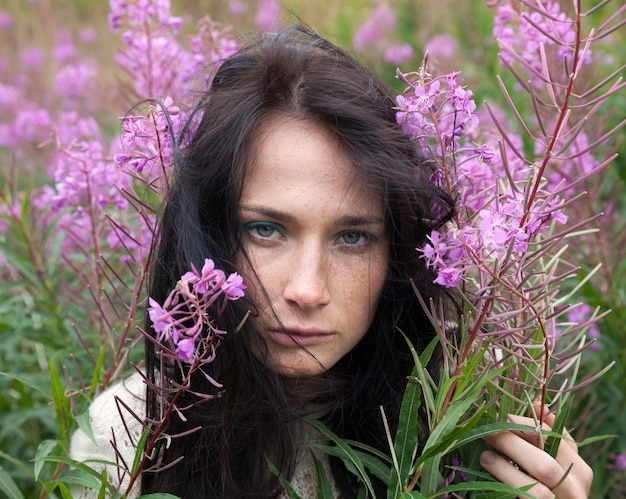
(83, 171)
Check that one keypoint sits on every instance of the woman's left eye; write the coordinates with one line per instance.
(355, 237)
(268, 231)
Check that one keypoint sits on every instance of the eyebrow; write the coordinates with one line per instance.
(347, 220)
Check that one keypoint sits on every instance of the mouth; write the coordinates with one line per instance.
(293, 337)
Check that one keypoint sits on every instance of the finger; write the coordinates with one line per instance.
(535, 462)
(549, 418)
(508, 473)
(534, 437)
(580, 473)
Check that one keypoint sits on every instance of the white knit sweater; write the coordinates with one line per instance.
(112, 422)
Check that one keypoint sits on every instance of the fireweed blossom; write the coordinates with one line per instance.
(147, 141)
(153, 54)
(183, 324)
(378, 33)
(493, 224)
(526, 35)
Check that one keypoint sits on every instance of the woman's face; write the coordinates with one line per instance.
(317, 241)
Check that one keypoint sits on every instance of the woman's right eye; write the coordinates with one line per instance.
(263, 230)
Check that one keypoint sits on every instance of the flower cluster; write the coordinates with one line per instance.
(516, 189)
(493, 224)
(433, 116)
(159, 62)
(527, 36)
(149, 142)
(184, 323)
(377, 32)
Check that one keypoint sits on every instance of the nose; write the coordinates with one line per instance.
(307, 278)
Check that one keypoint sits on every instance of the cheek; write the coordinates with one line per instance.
(363, 288)
(259, 279)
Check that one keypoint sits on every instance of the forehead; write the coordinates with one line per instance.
(295, 159)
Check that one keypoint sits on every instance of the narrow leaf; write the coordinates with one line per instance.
(8, 486)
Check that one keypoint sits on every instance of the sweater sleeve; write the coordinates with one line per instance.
(112, 422)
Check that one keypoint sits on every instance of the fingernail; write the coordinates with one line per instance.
(487, 457)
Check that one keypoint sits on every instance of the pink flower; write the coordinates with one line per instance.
(237, 8)
(449, 277)
(6, 20)
(162, 320)
(398, 54)
(185, 349)
(32, 58)
(87, 35)
(442, 46)
(382, 20)
(582, 313)
(234, 287)
(268, 15)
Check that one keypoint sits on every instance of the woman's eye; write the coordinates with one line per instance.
(355, 237)
(263, 230)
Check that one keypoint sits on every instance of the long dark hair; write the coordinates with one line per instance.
(298, 73)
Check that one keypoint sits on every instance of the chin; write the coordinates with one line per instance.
(303, 368)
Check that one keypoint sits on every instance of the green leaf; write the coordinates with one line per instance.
(81, 477)
(500, 488)
(27, 382)
(445, 434)
(377, 466)
(487, 429)
(552, 442)
(61, 403)
(423, 376)
(348, 455)
(323, 489)
(141, 444)
(43, 449)
(406, 436)
(415, 494)
(85, 425)
(283, 481)
(65, 491)
(8, 486)
(101, 477)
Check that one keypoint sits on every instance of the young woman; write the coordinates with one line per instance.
(300, 179)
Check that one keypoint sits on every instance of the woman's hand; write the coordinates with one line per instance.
(528, 464)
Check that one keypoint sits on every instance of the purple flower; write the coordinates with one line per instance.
(185, 320)
(583, 313)
(234, 287)
(455, 461)
(162, 320)
(74, 79)
(32, 58)
(449, 277)
(398, 54)
(382, 20)
(185, 349)
(237, 8)
(442, 46)
(64, 52)
(87, 35)
(6, 20)
(268, 15)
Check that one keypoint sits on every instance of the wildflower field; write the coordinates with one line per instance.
(521, 103)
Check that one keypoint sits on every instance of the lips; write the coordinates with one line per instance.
(294, 337)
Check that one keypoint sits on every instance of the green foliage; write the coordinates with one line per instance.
(55, 352)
